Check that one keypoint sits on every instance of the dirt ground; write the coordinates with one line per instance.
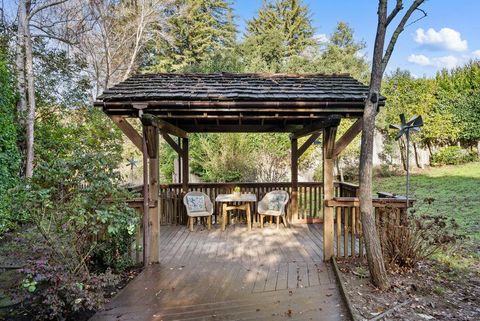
(431, 291)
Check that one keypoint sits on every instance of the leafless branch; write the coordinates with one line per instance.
(418, 19)
(395, 11)
(36, 10)
(400, 27)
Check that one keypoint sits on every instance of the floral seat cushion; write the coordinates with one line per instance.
(196, 203)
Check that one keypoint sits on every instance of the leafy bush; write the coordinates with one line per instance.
(53, 293)
(9, 154)
(75, 200)
(452, 155)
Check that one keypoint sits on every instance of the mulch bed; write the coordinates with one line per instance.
(431, 291)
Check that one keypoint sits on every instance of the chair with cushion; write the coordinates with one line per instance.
(273, 204)
(198, 205)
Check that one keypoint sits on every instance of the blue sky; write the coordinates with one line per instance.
(447, 37)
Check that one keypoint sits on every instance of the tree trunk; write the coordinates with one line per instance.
(403, 158)
(373, 248)
(417, 161)
(20, 62)
(372, 242)
(31, 100)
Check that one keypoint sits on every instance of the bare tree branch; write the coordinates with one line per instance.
(418, 19)
(43, 7)
(395, 11)
(398, 30)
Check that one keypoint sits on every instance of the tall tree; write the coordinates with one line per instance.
(37, 16)
(381, 56)
(198, 29)
(281, 30)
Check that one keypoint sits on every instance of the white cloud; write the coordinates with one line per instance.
(448, 62)
(476, 53)
(321, 37)
(445, 38)
(421, 60)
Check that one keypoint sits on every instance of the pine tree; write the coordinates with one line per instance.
(199, 29)
(281, 30)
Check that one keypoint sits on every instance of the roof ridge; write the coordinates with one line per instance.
(250, 74)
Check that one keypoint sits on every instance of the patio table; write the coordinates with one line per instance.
(246, 199)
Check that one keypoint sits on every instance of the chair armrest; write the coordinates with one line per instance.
(262, 207)
(209, 206)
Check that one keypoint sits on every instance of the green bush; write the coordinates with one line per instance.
(9, 154)
(74, 198)
(452, 155)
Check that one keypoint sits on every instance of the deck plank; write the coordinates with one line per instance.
(263, 274)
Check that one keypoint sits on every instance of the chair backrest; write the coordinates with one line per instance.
(276, 199)
(191, 202)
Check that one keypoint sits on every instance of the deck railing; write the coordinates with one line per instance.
(390, 213)
(309, 198)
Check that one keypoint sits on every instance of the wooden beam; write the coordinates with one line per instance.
(328, 188)
(151, 137)
(347, 137)
(307, 144)
(294, 178)
(185, 170)
(146, 198)
(179, 178)
(329, 140)
(172, 143)
(129, 131)
(154, 210)
(150, 120)
(331, 121)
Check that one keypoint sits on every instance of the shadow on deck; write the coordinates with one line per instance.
(264, 274)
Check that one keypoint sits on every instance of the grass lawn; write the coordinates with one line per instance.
(455, 190)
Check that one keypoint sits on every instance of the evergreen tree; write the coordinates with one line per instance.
(199, 29)
(281, 30)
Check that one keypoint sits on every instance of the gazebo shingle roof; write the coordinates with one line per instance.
(226, 102)
(237, 87)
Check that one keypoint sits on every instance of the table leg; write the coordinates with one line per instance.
(249, 217)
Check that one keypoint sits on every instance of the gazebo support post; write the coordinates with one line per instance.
(151, 135)
(185, 171)
(179, 164)
(294, 178)
(329, 134)
(146, 196)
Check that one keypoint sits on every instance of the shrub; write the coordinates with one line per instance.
(54, 293)
(75, 202)
(9, 154)
(419, 238)
(452, 155)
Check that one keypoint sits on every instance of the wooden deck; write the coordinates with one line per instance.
(264, 274)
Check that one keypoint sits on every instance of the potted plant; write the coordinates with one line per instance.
(236, 191)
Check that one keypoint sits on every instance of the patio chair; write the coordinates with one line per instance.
(198, 205)
(273, 204)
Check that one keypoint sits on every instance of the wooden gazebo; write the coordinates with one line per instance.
(179, 104)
